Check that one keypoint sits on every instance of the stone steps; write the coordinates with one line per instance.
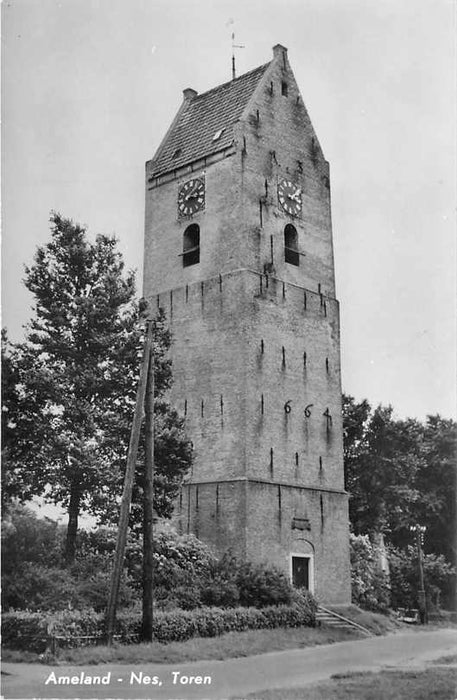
(329, 618)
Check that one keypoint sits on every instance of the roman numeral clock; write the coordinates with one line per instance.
(191, 197)
(290, 198)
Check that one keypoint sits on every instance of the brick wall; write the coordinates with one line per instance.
(256, 342)
(232, 378)
(255, 520)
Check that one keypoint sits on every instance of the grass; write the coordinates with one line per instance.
(230, 645)
(452, 659)
(429, 684)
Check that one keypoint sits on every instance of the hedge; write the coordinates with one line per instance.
(35, 631)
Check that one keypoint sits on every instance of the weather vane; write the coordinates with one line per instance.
(234, 46)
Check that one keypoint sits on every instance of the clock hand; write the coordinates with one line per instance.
(295, 196)
(193, 193)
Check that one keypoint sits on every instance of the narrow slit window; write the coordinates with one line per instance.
(284, 89)
(191, 245)
(291, 254)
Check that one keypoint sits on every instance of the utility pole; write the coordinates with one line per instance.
(419, 531)
(128, 486)
(148, 506)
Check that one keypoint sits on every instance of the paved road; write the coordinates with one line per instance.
(233, 677)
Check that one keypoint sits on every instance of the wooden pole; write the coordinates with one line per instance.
(148, 507)
(419, 532)
(128, 486)
(422, 600)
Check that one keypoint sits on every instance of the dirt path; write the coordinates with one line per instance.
(214, 680)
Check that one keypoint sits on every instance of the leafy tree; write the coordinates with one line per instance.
(399, 473)
(436, 482)
(14, 482)
(27, 538)
(72, 383)
(355, 421)
(34, 575)
(382, 456)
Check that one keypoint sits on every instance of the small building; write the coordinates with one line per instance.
(239, 253)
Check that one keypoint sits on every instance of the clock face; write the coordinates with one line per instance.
(289, 195)
(191, 197)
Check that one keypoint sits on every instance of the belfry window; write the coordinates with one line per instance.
(291, 254)
(191, 245)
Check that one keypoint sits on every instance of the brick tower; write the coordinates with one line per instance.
(239, 253)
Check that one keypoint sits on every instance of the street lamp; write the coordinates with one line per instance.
(419, 531)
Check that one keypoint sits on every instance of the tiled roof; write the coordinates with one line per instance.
(192, 136)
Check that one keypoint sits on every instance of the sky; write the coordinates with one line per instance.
(89, 88)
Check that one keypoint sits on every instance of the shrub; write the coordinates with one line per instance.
(25, 537)
(179, 559)
(370, 585)
(34, 575)
(405, 578)
(179, 625)
(186, 597)
(305, 602)
(260, 585)
(35, 587)
(25, 631)
(95, 552)
(220, 593)
(93, 592)
(186, 573)
(31, 630)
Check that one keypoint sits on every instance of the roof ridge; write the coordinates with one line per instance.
(230, 82)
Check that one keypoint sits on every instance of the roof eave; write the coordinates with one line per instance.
(208, 157)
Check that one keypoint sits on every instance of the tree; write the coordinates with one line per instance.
(382, 456)
(14, 483)
(436, 482)
(355, 421)
(400, 473)
(34, 574)
(404, 580)
(75, 382)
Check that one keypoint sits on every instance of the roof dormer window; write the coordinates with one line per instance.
(218, 134)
